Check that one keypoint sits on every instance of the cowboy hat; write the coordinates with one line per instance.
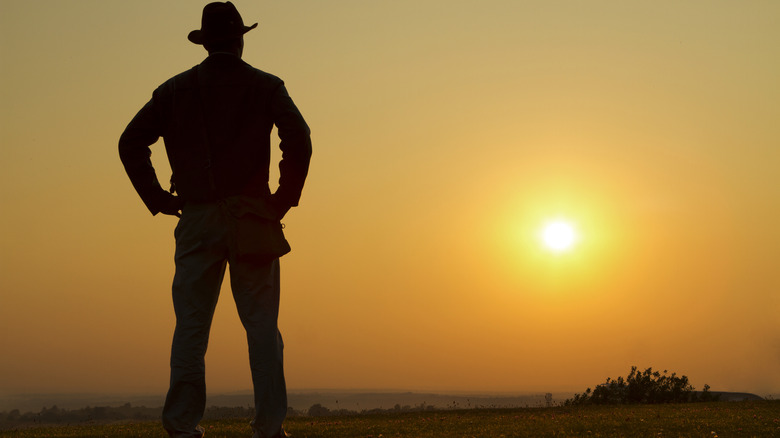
(220, 22)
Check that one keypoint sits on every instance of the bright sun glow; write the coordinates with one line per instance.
(559, 236)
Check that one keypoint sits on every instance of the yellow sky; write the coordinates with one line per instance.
(445, 134)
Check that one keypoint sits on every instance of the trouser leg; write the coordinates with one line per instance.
(200, 268)
(256, 292)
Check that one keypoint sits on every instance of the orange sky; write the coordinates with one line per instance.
(445, 134)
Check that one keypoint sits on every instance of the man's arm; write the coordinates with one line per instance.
(296, 149)
(142, 132)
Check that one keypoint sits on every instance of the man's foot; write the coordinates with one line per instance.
(282, 434)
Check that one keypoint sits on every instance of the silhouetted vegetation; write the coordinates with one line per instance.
(647, 387)
(55, 415)
(99, 414)
(317, 410)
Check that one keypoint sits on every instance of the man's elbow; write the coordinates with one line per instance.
(132, 147)
(125, 145)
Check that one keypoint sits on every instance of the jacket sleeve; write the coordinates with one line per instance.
(296, 148)
(143, 131)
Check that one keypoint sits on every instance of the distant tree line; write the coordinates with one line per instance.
(83, 415)
(643, 387)
(55, 415)
(317, 410)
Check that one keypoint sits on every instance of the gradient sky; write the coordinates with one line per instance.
(446, 133)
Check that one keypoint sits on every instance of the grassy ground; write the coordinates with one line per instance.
(720, 419)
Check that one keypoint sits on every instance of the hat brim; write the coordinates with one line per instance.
(199, 37)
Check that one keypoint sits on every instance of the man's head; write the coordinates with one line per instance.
(221, 29)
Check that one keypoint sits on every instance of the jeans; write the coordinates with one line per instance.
(205, 245)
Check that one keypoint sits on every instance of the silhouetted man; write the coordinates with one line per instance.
(216, 120)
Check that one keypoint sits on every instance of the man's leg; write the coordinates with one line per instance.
(200, 268)
(256, 292)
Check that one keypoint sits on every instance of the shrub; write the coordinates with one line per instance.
(642, 387)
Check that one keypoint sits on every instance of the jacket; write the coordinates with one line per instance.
(216, 121)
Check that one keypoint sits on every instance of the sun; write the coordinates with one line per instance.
(559, 236)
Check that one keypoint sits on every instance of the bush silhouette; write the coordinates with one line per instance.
(642, 387)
